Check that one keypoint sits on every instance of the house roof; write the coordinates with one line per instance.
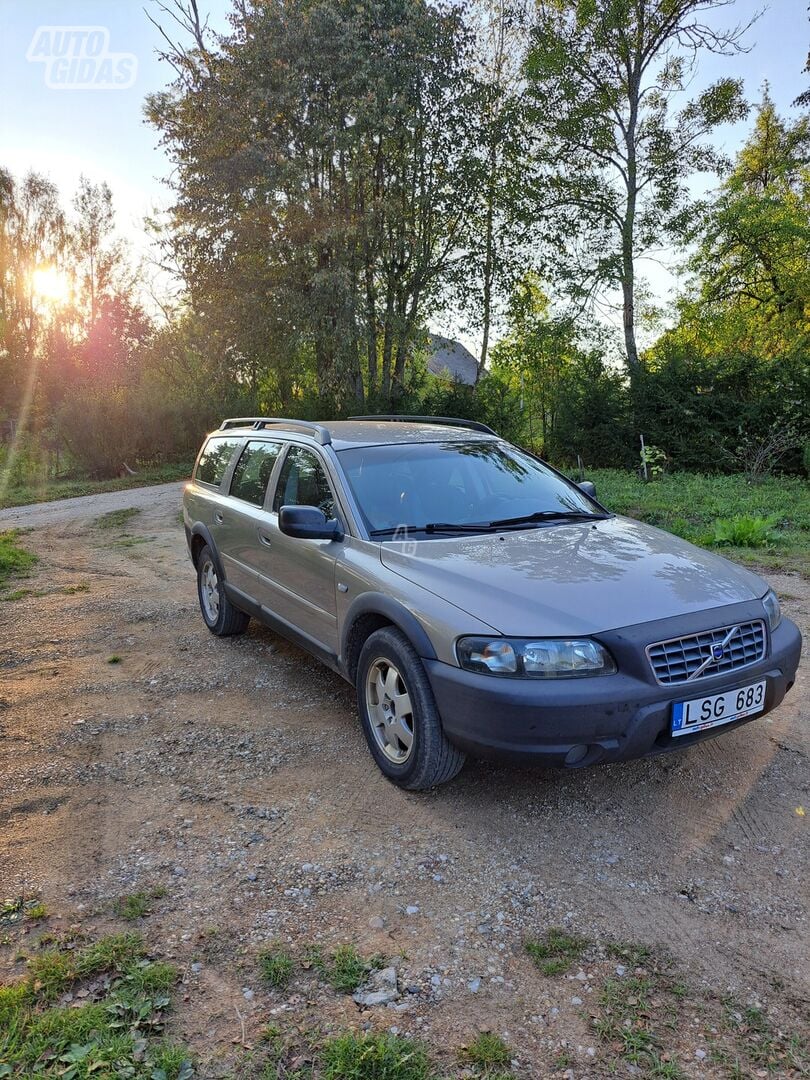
(451, 358)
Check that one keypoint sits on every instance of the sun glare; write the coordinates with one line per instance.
(50, 285)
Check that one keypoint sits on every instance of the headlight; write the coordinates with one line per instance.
(543, 658)
(772, 609)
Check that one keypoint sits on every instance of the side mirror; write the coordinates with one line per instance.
(308, 523)
(588, 487)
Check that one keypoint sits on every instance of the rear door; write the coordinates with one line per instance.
(242, 524)
(297, 577)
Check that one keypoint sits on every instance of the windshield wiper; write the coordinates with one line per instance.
(488, 526)
(433, 527)
(550, 515)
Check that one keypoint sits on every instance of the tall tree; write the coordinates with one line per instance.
(95, 255)
(602, 74)
(502, 161)
(321, 188)
(752, 262)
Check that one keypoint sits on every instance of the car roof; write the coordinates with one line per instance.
(345, 434)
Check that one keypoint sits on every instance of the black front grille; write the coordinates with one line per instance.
(680, 660)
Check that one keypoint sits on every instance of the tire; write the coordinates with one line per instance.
(399, 715)
(219, 614)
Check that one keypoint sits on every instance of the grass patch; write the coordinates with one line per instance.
(488, 1054)
(23, 495)
(114, 659)
(117, 519)
(696, 507)
(344, 969)
(374, 1057)
(137, 905)
(556, 951)
(758, 1044)
(276, 967)
(130, 541)
(53, 971)
(15, 561)
(630, 953)
(116, 1032)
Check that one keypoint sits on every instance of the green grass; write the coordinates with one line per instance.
(767, 523)
(555, 951)
(489, 1055)
(54, 970)
(117, 519)
(15, 561)
(345, 969)
(374, 1057)
(276, 967)
(115, 1032)
(134, 905)
(67, 489)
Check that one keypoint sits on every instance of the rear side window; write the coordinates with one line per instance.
(214, 460)
(252, 473)
(303, 482)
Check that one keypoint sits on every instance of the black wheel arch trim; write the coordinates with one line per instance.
(198, 529)
(376, 603)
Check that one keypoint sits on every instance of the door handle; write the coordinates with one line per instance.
(219, 517)
(264, 539)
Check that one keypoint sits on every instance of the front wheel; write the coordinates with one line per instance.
(220, 616)
(400, 719)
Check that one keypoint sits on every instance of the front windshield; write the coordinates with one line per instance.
(411, 485)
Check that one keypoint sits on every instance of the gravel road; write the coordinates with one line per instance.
(233, 774)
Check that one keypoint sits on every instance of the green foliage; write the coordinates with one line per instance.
(14, 559)
(53, 970)
(346, 969)
(111, 1034)
(555, 951)
(134, 905)
(276, 967)
(487, 1052)
(653, 461)
(745, 531)
(374, 1057)
(601, 75)
(116, 519)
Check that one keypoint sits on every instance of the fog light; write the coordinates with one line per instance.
(576, 754)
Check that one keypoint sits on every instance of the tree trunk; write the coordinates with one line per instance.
(628, 230)
(489, 263)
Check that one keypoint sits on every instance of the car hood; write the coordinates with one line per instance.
(577, 578)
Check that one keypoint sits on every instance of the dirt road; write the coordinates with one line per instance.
(233, 774)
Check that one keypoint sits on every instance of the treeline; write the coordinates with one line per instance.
(345, 173)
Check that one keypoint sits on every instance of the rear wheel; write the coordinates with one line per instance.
(220, 616)
(400, 719)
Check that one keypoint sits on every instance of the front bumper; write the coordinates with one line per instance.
(604, 718)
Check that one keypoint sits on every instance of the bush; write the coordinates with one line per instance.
(744, 530)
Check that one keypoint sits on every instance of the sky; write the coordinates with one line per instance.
(100, 131)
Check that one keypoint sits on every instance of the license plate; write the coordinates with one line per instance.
(708, 712)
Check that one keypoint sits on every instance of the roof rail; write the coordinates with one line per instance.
(317, 431)
(450, 421)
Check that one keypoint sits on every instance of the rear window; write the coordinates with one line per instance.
(214, 460)
(252, 473)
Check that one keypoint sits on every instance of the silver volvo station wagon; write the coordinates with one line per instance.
(478, 600)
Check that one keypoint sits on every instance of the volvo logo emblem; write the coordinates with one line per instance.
(718, 652)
